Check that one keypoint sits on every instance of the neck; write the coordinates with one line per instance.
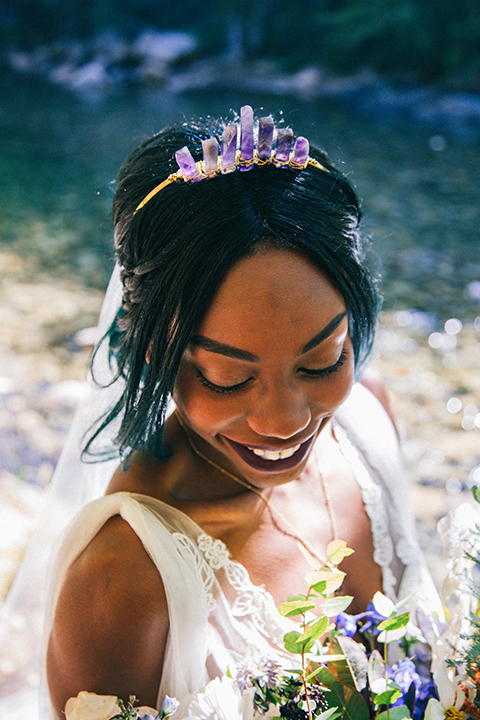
(285, 527)
(202, 478)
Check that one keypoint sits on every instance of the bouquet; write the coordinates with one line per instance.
(383, 664)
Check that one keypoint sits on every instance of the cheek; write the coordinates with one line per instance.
(201, 407)
(185, 386)
(329, 395)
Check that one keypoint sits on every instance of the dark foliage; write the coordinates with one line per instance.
(409, 40)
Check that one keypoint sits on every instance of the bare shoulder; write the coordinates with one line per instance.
(373, 381)
(111, 621)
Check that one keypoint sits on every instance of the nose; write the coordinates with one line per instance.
(280, 412)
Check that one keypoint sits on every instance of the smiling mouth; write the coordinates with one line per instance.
(271, 460)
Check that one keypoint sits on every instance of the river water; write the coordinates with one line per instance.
(420, 187)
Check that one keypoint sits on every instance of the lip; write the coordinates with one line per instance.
(271, 466)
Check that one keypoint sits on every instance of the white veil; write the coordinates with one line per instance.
(23, 692)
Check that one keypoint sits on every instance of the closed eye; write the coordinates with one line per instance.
(220, 389)
(325, 372)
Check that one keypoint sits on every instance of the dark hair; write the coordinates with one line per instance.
(176, 250)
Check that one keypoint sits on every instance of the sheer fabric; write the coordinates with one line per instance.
(73, 485)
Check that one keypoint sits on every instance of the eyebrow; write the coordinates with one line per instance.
(222, 349)
(325, 333)
(237, 354)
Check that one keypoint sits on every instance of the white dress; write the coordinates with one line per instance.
(217, 616)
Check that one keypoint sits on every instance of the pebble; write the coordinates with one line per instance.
(436, 403)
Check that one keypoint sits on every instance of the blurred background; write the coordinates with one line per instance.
(389, 88)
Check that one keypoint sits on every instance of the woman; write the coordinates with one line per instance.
(246, 299)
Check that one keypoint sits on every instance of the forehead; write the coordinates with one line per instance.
(271, 289)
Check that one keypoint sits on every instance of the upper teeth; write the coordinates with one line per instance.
(275, 454)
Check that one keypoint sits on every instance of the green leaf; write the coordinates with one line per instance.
(292, 644)
(320, 587)
(297, 607)
(336, 605)
(388, 697)
(352, 670)
(333, 578)
(376, 667)
(315, 631)
(337, 550)
(395, 623)
(330, 714)
(476, 493)
(389, 636)
(325, 677)
(354, 705)
(293, 598)
(399, 712)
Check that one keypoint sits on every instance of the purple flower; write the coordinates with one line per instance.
(350, 623)
(373, 619)
(169, 706)
(347, 623)
(407, 673)
(404, 674)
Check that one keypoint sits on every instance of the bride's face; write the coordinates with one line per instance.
(268, 366)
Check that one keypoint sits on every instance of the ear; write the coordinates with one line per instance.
(148, 353)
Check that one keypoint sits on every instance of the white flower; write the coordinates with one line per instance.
(89, 706)
(451, 696)
(169, 706)
(146, 712)
(383, 605)
(221, 700)
(457, 533)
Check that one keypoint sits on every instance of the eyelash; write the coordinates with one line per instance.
(220, 389)
(325, 372)
(227, 389)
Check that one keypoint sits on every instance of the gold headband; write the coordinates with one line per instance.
(245, 158)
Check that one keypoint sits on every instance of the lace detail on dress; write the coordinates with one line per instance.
(207, 555)
(255, 601)
(375, 509)
(215, 551)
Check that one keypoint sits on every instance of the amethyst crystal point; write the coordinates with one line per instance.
(246, 142)
(229, 148)
(284, 145)
(265, 137)
(186, 163)
(300, 151)
(210, 156)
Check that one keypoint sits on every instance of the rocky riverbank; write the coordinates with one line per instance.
(431, 373)
(171, 61)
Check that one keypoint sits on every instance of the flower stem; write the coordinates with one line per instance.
(385, 663)
(304, 672)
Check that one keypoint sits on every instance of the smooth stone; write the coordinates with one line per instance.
(229, 148)
(246, 135)
(210, 155)
(186, 163)
(265, 137)
(300, 151)
(284, 145)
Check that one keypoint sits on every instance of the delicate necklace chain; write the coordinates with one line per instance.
(272, 509)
